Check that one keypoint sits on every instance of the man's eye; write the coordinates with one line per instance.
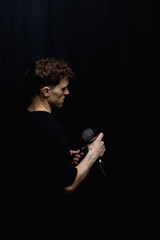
(63, 89)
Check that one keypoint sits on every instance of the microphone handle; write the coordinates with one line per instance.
(83, 148)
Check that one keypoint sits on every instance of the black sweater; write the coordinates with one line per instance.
(39, 169)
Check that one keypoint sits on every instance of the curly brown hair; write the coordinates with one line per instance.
(47, 71)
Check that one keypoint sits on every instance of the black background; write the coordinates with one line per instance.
(113, 47)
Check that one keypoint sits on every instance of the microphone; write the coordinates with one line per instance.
(89, 135)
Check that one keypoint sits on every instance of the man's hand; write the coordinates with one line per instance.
(76, 155)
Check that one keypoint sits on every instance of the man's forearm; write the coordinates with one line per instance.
(83, 169)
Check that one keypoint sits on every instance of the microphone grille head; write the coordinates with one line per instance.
(87, 134)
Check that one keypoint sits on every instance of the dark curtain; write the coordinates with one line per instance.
(113, 47)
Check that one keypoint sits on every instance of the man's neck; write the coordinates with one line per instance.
(38, 104)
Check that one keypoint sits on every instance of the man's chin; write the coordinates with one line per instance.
(60, 105)
(57, 106)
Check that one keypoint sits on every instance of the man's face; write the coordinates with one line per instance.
(58, 93)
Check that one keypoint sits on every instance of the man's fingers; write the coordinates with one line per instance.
(100, 136)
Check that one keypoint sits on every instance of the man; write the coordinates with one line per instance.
(47, 175)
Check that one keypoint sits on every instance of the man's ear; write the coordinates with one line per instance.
(45, 91)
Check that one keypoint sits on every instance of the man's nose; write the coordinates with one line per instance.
(66, 92)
